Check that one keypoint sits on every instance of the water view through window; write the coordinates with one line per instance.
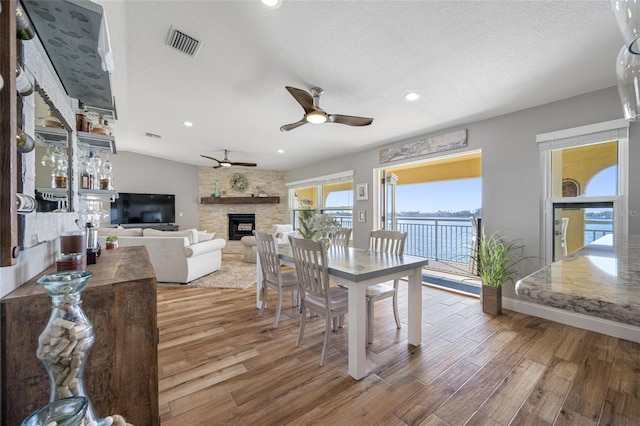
(436, 217)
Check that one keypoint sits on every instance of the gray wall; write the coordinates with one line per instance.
(150, 175)
(511, 182)
(510, 167)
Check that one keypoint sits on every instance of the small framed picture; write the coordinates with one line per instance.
(362, 215)
(362, 192)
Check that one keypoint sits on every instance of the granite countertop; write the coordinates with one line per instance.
(601, 279)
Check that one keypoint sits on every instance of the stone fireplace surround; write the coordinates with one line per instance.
(214, 217)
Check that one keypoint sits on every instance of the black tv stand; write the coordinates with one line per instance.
(158, 226)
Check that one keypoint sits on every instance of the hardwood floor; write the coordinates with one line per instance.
(220, 363)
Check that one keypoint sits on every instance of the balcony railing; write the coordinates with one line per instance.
(596, 228)
(446, 239)
(449, 239)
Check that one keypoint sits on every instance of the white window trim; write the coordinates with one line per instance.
(334, 177)
(318, 182)
(580, 136)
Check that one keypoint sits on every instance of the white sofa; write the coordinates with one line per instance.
(176, 256)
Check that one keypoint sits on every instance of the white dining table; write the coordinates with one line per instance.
(357, 269)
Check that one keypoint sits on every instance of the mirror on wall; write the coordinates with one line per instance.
(52, 158)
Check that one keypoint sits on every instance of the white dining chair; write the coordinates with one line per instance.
(384, 241)
(317, 294)
(341, 237)
(272, 274)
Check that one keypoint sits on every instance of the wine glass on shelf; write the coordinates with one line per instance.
(107, 165)
(46, 158)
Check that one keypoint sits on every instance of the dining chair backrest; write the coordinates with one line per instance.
(267, 246)
(384, 241)
(341, 237)
(310, 259)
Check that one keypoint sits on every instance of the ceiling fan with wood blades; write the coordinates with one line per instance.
(310, 102)
(226, 162)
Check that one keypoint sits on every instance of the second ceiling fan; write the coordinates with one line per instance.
(226, 162)
(310, 102)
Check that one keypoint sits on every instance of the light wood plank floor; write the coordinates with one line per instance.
(221, 363)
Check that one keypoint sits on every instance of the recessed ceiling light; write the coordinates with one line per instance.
(272, 4)
(188, 124)
(281, 151)
(411, 96)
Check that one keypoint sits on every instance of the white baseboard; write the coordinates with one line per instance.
(599, 325)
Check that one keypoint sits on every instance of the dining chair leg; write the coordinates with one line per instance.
(278, 309)
(295, 298)
(395, 303)
(327, 336)
(303, 317)
(264, 298)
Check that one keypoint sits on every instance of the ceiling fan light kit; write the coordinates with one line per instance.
(316, 117)
(310, 103)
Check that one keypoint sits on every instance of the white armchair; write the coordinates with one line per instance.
(280, 231)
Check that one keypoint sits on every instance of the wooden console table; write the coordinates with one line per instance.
(121, 375)
(239, 200)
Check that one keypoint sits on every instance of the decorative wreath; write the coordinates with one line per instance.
(238, 182)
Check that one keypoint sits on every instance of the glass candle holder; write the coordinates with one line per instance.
(65, 342)
(63, 412)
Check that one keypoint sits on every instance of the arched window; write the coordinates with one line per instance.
(603, 183)
(584, 172)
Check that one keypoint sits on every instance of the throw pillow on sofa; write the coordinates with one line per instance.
(119, 232)
(205, 236)
(191, 234)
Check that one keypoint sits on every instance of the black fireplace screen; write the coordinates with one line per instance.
(241, 225)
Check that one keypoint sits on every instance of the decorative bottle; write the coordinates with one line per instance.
(85, 174)
(59, 178)
(94, 171)
(80, 117)
(24, 87)
(106, 179)
(83, 122)
(23, 26)
(102, 127)
(65, 342)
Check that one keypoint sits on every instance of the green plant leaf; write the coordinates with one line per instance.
(497, 259)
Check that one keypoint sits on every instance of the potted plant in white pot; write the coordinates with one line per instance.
(497, 259)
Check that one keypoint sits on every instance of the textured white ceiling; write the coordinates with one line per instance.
(469, 60)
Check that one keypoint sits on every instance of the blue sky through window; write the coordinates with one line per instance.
(453, 195)
(603, 183)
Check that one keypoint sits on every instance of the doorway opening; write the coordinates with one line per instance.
(439, 204)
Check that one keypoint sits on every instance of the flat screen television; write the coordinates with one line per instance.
(131, 208)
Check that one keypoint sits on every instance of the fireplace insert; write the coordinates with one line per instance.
(241, 225)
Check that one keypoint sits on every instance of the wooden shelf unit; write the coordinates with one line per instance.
(239, 200)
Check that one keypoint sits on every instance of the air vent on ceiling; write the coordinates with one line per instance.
(153, 135)
(184, 43)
